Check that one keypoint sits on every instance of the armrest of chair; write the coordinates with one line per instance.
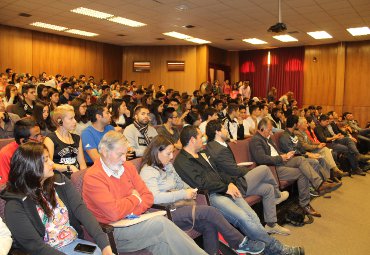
(163, 207)
(108, 229)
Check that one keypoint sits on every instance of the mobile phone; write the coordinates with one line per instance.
(85, 248)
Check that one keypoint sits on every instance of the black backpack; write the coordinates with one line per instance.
(296, 216)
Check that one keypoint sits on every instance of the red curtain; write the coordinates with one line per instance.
(286, 71)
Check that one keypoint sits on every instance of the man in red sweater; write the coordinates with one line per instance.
(113, 190)
(25, 130)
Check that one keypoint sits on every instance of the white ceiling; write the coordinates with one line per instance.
(214, 20)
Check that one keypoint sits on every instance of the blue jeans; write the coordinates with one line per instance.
(242, 216)
(69, 249)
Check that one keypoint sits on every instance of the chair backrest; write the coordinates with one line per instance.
(276, 137)
(137, 163)
(241, 150)
(5, 141)
(10, 108)
(2, 203)
(77, 179)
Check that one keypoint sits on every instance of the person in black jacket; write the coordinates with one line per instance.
(198, 170)
(260, 180)
(43, 210)
(265, 152)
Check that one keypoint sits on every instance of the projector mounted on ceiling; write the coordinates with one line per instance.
(280, 26)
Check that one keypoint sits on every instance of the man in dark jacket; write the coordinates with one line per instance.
(25, 107)
(265, 152)
(260, 180)
(198, 170)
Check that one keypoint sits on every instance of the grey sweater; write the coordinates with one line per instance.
(166, 186)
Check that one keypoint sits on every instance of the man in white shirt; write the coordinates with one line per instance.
(250, 124)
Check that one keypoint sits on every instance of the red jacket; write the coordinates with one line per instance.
(6, 154)
(110, 199)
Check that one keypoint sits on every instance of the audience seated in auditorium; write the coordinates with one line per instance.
(340, 144)
(192, 119)
(5, 238)
(66, 93)
(260, 180)
(82, 119)
(36, 200)
(140, 133)
(7, 122)
(65, 148)
(198, 170)
(121, 115)
(250, 124)
(91, 136)
(11, 95)
(25, 130)
(167, 187)
(53, 97)
(265, 152)
(113, 190)
(155, 114)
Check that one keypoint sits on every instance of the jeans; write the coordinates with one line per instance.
(69, 249)
(242, 216)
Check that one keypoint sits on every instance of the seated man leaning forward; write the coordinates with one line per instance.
(113, 190)
(140, 133)
(198, 170)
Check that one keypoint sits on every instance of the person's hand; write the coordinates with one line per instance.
(322, 145)
(313, 155)
(233, 141)
(73, 168)
(118, 129)
(107, 251)
(191, 193)
(233, 191)
(353, 139)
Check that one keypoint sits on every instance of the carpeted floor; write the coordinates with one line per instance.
(344, 228)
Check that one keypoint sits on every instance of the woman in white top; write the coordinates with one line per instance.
(5, 238)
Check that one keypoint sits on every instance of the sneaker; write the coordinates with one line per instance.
(251, 246)
(313, 192)
(292, 250)
(283, 196)
(277, 229)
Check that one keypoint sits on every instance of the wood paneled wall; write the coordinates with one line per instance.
(34, 52)
(188, 80)
(339, 78)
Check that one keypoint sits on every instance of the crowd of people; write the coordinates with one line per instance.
(62, 125)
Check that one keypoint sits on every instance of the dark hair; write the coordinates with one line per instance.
(210, 111)
(39, 90)
(253, 108)
(169, 91)
(150, 156)
(187, 133)
(95, 109)
(52, 91)
(7, 93)
(154, 110)
(211, 128)
(323, 117)
(174, 100)
(103, 100)
(138, 109)
(76, 103)
(345, 114)
(116, 104)
(216, 102)
(291, 121)
(232, 107)
(27, 87)
(26, 174)
(191, 118)
(37, 114)
(22, 129)
(65, 86)
(167, 114)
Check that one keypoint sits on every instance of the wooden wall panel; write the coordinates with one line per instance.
(202, 65)
(158, 56)
(35, 52)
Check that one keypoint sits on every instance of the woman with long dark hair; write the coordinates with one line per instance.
(156, 112)
(53, 97)
(166, 185)
(42, 94)
(80, 107)
(11, 95)
(41, 114)
(43, 209)
(121, 115)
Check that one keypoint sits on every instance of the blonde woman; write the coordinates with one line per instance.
(65, 148)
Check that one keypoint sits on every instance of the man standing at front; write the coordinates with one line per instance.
(113, 190)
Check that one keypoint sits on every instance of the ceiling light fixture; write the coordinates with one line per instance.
(358, 31)
(254, 41)
(92, 13)
(127, 22)
(48, 26)
(186, 37)
(80, 32)
(320, 35)
(285, 38)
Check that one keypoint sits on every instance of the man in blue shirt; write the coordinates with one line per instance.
(91, 136)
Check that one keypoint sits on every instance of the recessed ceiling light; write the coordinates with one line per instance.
(48, 26)
(181, 7)
(127, 22)
(92, 13)
(197, 40)
(320, 35)
(80, 32)
(229, 39)
(254, 41)
(357, 31)
(285, 38)
(177, 35)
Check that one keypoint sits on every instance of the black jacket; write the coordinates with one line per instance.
(224, 159)
(322, 133)
(261, 151)
(289, 142)
(27, 229)
(197, 173)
